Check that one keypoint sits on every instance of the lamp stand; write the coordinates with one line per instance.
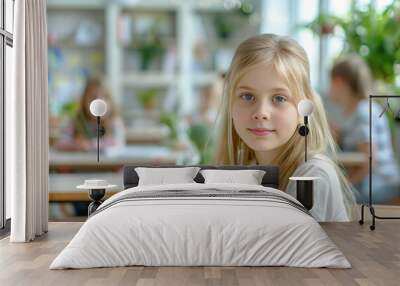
(303, 131)
(305, 137)
(370, 204)
(98, 136)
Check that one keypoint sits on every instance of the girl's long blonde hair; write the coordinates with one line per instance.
(290, 61)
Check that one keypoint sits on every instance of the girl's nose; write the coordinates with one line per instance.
(262, 112)
(260, 116)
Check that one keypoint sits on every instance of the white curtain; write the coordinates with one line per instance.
(27, 124)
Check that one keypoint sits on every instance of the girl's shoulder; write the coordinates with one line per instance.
(328, 198)
(318, 166)
(323, 168)
(328, 182)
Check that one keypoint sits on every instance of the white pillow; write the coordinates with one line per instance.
(249, 177)
(162, 176)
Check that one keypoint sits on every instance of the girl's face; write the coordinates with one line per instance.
(263, 109)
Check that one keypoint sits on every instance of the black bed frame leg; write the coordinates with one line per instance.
(361, 221)
(372, 210)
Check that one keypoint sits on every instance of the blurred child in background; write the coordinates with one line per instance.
(80, 133)
(350, 88)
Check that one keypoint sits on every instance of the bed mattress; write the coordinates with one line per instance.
(201, 225)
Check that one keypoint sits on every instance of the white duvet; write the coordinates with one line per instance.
(200, 231)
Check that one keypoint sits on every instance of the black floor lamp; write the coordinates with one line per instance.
(305, 185)
(98, 108)
(96, 188)
(370, 204)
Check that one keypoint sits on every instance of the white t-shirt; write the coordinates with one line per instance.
(328, 194)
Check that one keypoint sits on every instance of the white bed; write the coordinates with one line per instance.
(184, 230)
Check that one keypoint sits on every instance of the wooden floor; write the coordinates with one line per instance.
(374, 255)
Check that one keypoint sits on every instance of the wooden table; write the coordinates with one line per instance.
(69, 169)
(62, 187)
(113, 159)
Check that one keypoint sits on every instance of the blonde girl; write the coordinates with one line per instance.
(268, 76)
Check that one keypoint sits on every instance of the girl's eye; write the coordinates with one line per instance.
(279, 99)
(247, 96)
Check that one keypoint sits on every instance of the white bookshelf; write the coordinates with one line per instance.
(183, 79)
(148, 79)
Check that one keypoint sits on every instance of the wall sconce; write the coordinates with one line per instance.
(98, 108)
(305, 108)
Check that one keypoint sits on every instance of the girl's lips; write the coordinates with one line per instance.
(260, 131)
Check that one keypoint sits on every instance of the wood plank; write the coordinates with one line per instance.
(374, 255)
(74, 196)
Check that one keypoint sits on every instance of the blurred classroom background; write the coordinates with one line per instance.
(160, 65)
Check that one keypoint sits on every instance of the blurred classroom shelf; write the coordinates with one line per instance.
(144, 48)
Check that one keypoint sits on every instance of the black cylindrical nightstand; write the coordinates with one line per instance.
(305, 190)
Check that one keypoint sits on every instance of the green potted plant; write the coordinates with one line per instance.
(69, 109)
(150, 46)
(375, 36)
(200, 135)
(372, 34)
(171, 121)
(148, 98)
(226, 24)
